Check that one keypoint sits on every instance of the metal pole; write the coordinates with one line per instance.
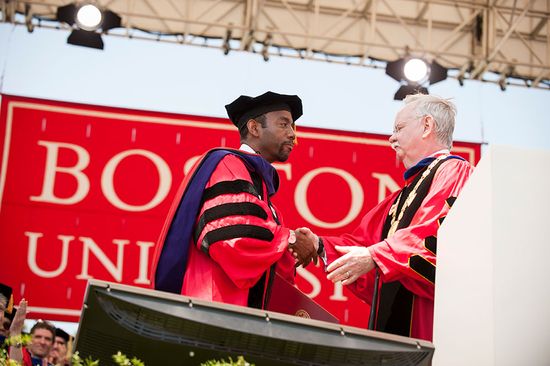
(374, 304)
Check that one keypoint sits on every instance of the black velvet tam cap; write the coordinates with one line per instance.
(5, 290)
(244, 107)
(61, 333)
(6, 297)
(11, 315)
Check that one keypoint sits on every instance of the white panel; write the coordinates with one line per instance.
(521, 249)
(492, 296)
(463, 322)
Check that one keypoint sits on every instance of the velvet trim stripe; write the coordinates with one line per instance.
(423, 164)
(233, 232)
(228, 209)
(431, 244)
(423, 267)
(450, 201)
(229, 187)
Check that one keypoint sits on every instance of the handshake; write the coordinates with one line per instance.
(353, 262)
(304, 247)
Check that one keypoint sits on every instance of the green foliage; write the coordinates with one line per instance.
(240, 362)
(20, 340)
(4, 361)
(16, 341)
(121, 360)
(76, 360)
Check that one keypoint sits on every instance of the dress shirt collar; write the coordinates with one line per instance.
(247, 148)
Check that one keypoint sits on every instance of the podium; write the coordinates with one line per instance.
(492, 296)
(167, 329)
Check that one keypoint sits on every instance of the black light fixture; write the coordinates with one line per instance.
(413, 73)
(87, 20)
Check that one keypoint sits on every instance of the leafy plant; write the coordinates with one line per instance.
(20, 340)
(119, 358)
(76, 360)
(240, 362)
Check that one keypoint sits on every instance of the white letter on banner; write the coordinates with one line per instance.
(311, 279)
(338, 292)
(300, 197)
(143, 262)
(385, 182)
(107, 184)
(285, 168)
(33, 248)
(90, 245)
(83, 183)
(189, 164)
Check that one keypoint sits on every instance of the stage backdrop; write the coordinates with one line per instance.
(84, 191)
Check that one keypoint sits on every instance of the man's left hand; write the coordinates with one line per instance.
(354, 262)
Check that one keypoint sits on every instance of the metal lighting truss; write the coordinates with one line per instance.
(505, 41)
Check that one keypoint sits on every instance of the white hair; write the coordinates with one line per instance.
(443, 112)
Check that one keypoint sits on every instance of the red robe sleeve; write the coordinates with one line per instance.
(243, 257)
(27, 361)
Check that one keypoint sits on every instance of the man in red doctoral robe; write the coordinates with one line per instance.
(224, 240)
(397, 239)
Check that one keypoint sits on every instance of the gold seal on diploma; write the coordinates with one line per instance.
(302, 314)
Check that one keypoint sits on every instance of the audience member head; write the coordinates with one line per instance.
(42, 337)
(60, 348)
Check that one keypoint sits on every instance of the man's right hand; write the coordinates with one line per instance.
(304, 249)
(16, 353)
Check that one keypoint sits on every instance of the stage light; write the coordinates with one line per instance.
(415, 70)
(88, 17)
(437, 73)
(89, 22)
(412, 73)
(405, 90)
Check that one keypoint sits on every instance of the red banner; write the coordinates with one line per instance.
(84, 191)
